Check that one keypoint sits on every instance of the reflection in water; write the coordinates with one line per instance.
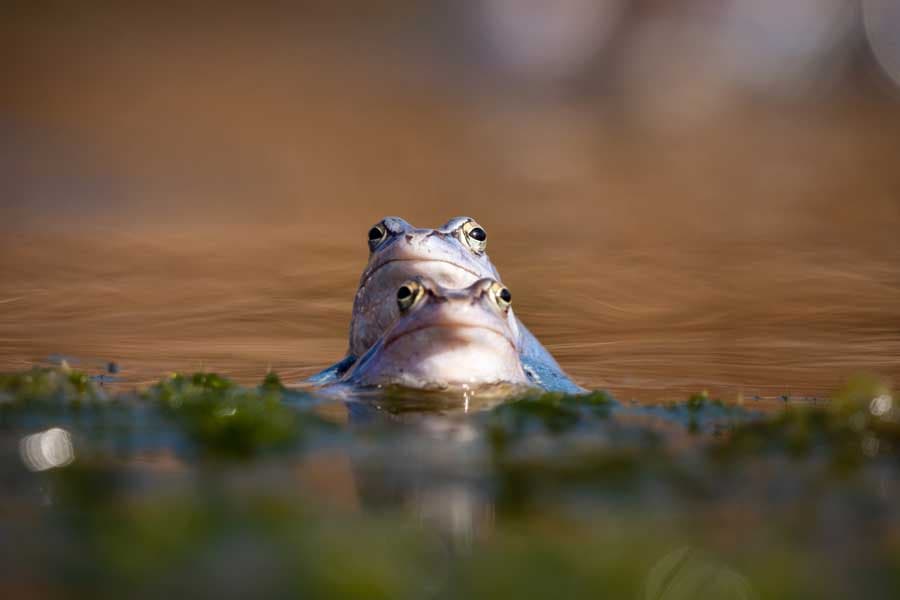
(457, 510)
(432, 463)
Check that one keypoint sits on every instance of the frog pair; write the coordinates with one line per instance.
(430, 312)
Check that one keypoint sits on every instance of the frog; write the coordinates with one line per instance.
(446, 338)
(452, 256)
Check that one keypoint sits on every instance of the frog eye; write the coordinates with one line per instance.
(408, 294)
(501, 295)
(475, 236)
(377, 235)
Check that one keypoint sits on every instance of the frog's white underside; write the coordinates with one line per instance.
(443, 356)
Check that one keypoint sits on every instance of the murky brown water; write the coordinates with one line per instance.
(202, 204)
(644, 319)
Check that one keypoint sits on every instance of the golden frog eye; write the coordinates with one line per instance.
(377, 235)
(475, 236)
(502, 295)
(408, 294)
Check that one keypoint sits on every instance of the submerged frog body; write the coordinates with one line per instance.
(445, 338)
(452, 256)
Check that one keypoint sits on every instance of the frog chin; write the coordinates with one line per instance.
(443, 356)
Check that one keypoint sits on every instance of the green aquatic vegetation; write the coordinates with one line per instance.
(216, 416)
(140, 541)
(700, 415)
(686, 573)
(526, 414)
(272, 383)
(861, 393)
(45, 385)
(524, 482)
(845, 432)
(790, 433)
(696, 401)
(48, 397)
(542, 495)
(227, 420)
(552, 442)
(552, 412)
(229, 543)
(594, 399)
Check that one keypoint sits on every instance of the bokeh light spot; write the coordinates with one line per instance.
(47, 449)
(882, 23)
(881, 405)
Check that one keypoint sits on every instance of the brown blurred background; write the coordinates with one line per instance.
(682, 196)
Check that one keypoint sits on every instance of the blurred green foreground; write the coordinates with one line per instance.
(198, 487)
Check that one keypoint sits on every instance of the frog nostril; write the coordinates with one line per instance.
(409, 238)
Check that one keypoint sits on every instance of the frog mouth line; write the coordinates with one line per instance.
(455, 326)
(379, 266)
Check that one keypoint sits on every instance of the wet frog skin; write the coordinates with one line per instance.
(446, 338)
(452, 256)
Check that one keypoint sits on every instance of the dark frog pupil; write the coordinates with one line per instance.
(505, 295)
(374, 234)
(478, 234)
(403, 293)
